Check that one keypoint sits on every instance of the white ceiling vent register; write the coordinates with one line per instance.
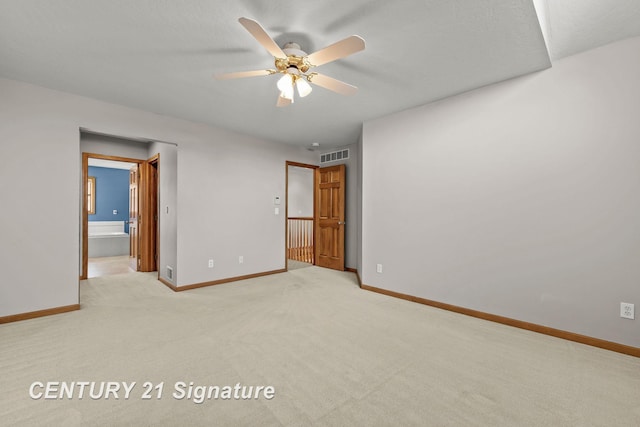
(334, 156)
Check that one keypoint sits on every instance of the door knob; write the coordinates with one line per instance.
(341, 222)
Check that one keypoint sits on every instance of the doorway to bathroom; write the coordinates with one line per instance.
(119, 215)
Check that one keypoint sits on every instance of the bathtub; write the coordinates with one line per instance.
(107, 238)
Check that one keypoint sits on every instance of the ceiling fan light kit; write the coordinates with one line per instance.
(294, 64)
(304, 88)
(285, 84)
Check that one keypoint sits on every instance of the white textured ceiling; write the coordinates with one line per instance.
(160, 55)
(578, 25)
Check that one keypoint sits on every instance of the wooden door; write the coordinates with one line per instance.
(330, 189)
(147, 216)
(134, 237)
(153, 217)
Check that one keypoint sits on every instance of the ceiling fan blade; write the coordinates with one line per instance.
(338, 50)
(332, 84)
(283, 102)
(243, 74)
(262, 37)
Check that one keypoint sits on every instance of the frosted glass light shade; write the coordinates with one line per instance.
(285, 84)
(304, 88)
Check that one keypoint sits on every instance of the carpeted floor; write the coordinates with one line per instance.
(336, 356)
(292, 264)
(108, 266)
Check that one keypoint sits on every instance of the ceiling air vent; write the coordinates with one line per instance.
(335, 156)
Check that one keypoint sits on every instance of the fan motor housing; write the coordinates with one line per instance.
(295, 58)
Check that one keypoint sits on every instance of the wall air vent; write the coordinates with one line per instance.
(334, 156)
(169, 272)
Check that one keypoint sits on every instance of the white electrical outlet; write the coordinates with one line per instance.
(210, 263)
(240, 259)
(378, 268)
(627, 310)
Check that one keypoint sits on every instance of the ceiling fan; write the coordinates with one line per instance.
(295, 65)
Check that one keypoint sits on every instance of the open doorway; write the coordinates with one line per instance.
(315, 216)
(119, 215)
(108, 217)
(300, 208)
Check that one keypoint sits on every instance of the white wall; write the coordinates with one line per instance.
(113, 146)
(226, 190)
(168, 203)
(359, 213)
(521, 199)
(39, 181)
(225, 182)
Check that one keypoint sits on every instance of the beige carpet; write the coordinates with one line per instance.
(336, 355)
(108, 266)
(292, 264)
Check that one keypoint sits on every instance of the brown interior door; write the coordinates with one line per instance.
(330, 186)
(153, 217)
(147, 216)
(134, 238)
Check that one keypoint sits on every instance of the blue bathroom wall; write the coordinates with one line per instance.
(112, 193)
